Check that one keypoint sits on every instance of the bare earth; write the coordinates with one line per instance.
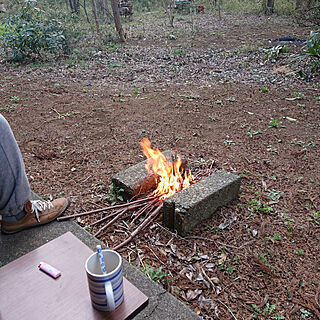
(201, 93)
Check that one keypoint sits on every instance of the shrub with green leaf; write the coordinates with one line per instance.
(311, 54)
(32, 34)
(2, 29)
(152, 273)
(273, 53)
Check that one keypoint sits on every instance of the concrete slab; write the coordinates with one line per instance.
(162, 305)
(187, 208)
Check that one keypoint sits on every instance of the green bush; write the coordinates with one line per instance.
(311, 54)
(31, 34)
(2, 27)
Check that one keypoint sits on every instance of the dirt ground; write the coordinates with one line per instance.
(205, 88)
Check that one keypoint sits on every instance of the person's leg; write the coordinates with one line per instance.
(14, 185)
(17, 210)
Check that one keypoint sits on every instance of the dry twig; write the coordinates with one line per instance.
(150, 218)
(234, 317)
(106, 208)
(123, 211)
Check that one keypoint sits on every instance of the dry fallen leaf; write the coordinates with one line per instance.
(264, 185)
(79, 220)
(181, 256)
(189, 275)
(204, 301)
(199, 277)
(223, 258)
(227, 223)
(193, 294)
(163, 252)
(197, 310)
(215, 280)
(173, 248)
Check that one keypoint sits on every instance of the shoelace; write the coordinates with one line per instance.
(40, 205)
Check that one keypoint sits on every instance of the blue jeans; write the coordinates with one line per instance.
(14, 185)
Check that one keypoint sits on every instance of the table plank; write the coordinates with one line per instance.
(28, 293)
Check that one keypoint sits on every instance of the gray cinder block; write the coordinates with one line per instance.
(186, 209)
(134, 180)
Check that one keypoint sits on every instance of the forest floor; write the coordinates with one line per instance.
(206, 88)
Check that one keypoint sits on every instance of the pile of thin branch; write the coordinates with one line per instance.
(150, 206)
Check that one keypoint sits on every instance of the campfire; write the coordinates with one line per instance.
(170, 175)
(169, 178)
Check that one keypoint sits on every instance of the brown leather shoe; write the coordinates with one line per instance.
(38, 212)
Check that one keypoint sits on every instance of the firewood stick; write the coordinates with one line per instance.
(112, 221)
(151, 217)
(104, 218)
(105, 209)
(142, 210)
(118, 211)
(119, 214)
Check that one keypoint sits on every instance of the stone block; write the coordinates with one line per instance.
(134, 180)
(186, 209)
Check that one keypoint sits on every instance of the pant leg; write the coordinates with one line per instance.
(14, 185)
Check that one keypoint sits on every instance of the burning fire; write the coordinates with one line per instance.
(169, 177)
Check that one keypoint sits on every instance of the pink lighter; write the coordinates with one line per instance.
(53, 272)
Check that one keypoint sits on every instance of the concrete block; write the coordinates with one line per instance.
(134, 180)
(186, 209)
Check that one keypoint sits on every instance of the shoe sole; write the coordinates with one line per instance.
(40, 224)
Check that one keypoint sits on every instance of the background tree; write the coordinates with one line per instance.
(75, 6)
(94, 11)
(270, 6)
(117, 20)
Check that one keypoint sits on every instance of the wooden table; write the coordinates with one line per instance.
(28, 293)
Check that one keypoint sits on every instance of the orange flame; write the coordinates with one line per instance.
(169, 177)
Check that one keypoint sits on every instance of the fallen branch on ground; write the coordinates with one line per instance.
(153, 215)
(106, 208)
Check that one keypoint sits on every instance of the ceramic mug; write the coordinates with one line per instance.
(106, 290)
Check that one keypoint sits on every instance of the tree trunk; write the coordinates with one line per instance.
(299, 4)
(117, 21)
(76, 5)
(171, 12)
(106, 6)
(270, 7)
(85, 10)
(71, 5)
(94, 11)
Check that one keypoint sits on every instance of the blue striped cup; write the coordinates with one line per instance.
(106, 290)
